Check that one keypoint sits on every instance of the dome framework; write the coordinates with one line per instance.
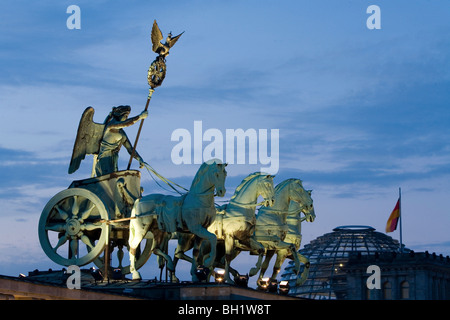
(329, 254)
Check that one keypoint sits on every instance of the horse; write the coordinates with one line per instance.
(278, 227)
(294, 236)
(192, 212)
(235, 221)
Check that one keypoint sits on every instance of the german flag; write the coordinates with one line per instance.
(392, 222)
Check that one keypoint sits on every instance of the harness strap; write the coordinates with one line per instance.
(247, 205)
(284, 211)
(167, 181)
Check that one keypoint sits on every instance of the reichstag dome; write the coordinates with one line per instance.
(339, 268)
(329, 255)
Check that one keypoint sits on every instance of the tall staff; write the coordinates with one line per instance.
(400, 216)
(157, 70)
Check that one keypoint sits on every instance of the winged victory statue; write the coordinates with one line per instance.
(104, 140)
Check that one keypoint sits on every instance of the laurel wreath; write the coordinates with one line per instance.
(156, 72)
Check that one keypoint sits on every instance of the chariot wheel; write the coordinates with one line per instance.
(70, 223)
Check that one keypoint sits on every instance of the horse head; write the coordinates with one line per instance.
(309, 210)
(217, 176)
(266, 190)
(303, 198)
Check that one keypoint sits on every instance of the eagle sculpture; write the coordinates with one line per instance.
(162, 49)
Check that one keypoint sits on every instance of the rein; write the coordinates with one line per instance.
(285, 211)
(167, 181)
(171, 183)
(247, 205)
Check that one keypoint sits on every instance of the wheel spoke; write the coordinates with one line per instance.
(64, 215)
(87, 212)
(75, 206)
(87, 241)
(57, 227)
(74, 247)
(91, 226)
(61, 241)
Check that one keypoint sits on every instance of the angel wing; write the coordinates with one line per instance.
(157, 36)
(89, 137)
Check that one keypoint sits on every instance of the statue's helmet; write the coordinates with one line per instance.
(120, 111)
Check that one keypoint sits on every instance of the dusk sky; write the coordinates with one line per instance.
(360, 112)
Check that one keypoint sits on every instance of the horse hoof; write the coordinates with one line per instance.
(136, 275)
(253, 271)
(300, 281)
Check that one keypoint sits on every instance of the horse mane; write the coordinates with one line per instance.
(200, 172)
(203, 168)
(244, 182)
(283, 184)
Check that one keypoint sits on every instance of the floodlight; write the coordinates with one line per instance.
(202, 273)
(117, 274)
(241, 281)
(263, 284)
(273, 286)
(283, 287)
(96, 274)
(219, 276)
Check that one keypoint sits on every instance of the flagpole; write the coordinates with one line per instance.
(400, 214)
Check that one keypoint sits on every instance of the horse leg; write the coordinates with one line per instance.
(221, 264)
(265, 265)
(257, 267)
(161, 260)
(281, 257)
(185, 243)
(255, 245)
(204, 234)
(300, 280)
(291, 249)
(195, 255)
(137, 232)
(296, 258)
(229, 245)
(160, 244)
(170, 266)
(235, 253)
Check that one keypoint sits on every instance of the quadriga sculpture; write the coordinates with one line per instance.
(193, 213)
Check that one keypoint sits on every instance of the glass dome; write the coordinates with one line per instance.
(329, 254)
